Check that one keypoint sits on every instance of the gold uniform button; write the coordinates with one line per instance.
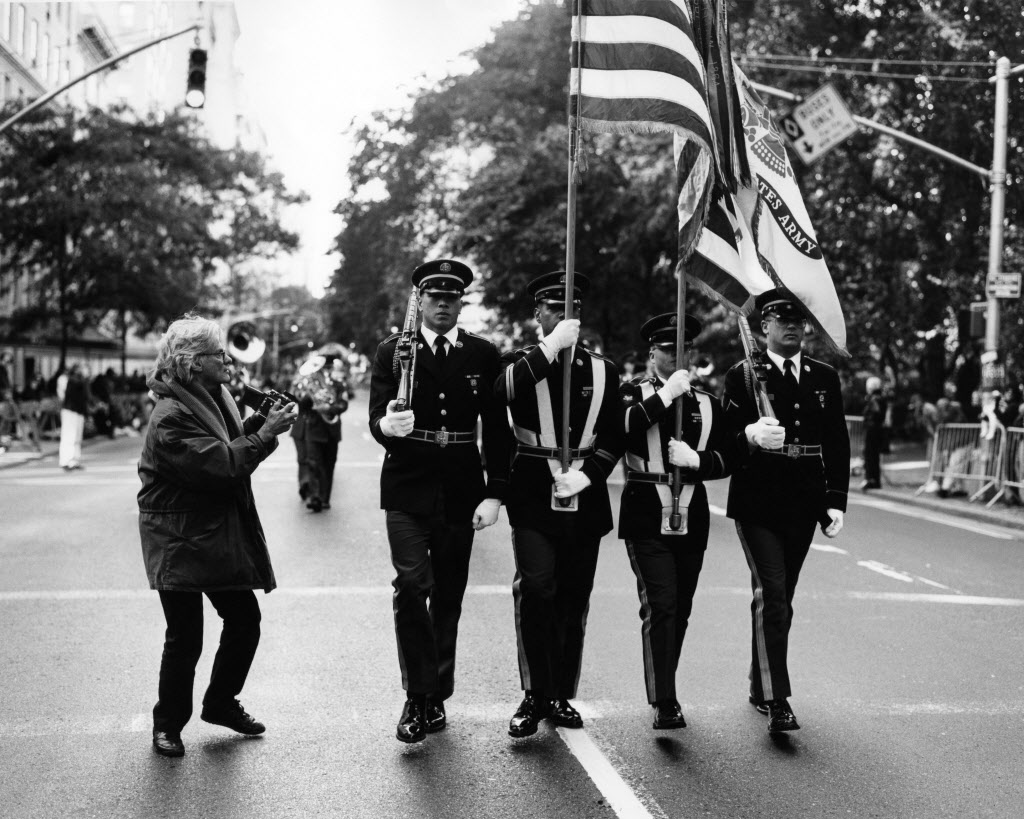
(441, 397)
(797, 423)
(444, 412)
(795, 406)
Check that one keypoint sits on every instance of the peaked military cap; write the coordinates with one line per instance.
(662, 329)
(551, 287)
(444, 275)
(776, 303)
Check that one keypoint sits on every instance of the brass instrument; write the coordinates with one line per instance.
(404, 363)
(323, 390)
(757, 361)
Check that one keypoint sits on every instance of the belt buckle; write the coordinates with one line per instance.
(793, 450)
(441, 437)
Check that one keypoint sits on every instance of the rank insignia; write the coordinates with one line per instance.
(458, 344)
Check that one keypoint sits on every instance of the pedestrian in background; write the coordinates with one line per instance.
(558, 517)
(75, 399)
(792, 472)
(876, 438)
(667, 562)
(199, 527)
(432, 484)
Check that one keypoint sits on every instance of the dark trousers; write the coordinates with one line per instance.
(551, 592)
(184, 643)
(666, 569)
(321, 457)
(775, 556)
(431, 560)
(873, 456)
(300, 454)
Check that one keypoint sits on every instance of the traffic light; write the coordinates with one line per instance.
(195, 93)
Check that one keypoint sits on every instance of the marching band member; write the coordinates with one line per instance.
(433, 486)
(667, 562)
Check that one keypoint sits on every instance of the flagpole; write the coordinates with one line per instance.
(570, 246)
(675, 518)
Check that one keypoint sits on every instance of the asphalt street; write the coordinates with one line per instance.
(905, 655)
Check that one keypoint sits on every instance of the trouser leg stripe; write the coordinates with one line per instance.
(517, 597)
(762, 650)
(645, 630)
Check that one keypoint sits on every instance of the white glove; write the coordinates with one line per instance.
(570, 483)
(565, 334)
(682, 454)
(766, 433)
(837, 523)
(396, 424)
(678, 384)
(486, 513)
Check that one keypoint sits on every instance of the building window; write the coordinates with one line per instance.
(19, 29)
(33, 42)
(47, 61)
(6, 13)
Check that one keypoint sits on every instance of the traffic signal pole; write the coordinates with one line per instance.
(32, 106)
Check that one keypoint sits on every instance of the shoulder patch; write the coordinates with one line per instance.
(391, 337)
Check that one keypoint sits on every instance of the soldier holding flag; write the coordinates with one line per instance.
(558, 517)
(792, 472)
(667, 562)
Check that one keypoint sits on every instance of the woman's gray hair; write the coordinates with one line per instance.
(185, 340)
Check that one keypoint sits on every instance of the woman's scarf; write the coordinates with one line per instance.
(217, 413)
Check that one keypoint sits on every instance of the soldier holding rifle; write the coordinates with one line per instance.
(558, 517)
(667, 560)
(427, 391)
(792, 472)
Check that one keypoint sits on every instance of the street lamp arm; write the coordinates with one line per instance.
(864, 122)
(105, 64)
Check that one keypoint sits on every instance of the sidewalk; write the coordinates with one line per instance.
(21, 452)
(903, 473)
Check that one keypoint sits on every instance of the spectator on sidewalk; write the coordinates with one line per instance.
(876, 434)
(75, 397)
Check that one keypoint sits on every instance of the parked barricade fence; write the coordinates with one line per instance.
(1013, 463)
(967, 458)
(25, 424)
(855, 426)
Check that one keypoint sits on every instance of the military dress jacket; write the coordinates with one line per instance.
(418, 476)
(531, 480)
(768, 487)
(640, 513)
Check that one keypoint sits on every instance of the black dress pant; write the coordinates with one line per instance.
(775, 555)
(551, 592)
(321, 456)
(431, 560)
(667, 570)
(184, 643)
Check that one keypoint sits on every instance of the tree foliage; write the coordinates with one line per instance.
(476, 167)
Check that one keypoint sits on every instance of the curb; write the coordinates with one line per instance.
(955, 508)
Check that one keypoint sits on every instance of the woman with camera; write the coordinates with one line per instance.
(200, 530)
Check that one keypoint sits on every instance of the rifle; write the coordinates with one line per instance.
(757, 361)
(405, 354)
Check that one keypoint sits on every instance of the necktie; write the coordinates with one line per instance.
(790, 374)
(440, 352)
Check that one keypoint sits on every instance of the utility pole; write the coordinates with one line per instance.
(41, 101)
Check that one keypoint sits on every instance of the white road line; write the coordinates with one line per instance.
(937, 517)
(602, 773)
(828, 547)
(888, 571)
(716, 510)
(954, 599)
(928, 582)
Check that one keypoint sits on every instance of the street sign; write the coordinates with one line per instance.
(1003, 286)
(818, 124)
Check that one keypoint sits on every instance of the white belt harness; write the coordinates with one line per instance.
(656, 464)
(546, 437)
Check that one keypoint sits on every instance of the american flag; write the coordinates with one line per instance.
(637, 69)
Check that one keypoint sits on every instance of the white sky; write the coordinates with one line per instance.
(310, 66)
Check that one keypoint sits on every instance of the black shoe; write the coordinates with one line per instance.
(412, 724)
(304, 491)
(435, 719)
(168, 743)
(760, 705)
(232, 716)
(780, 717)
(864, 487)
(327, 505)
(314, 504)
(562, 713)
(531, 711)
(668, 714)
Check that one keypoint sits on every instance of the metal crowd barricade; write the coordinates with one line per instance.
(1013, 463)
(855, 426)
(964, 452)
(19, 425)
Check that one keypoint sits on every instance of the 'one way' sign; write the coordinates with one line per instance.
(818, 124)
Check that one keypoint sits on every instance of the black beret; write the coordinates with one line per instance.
(776, 302)
(442, 274)
(662, 329)
(551, 286)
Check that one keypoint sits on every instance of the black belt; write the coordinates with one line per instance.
(442, 437)
(552, 452)
(649, 477)
(795, 450)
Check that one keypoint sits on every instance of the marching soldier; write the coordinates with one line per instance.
(558, 519)
(432, 484)
(791, 474)
(667, 562)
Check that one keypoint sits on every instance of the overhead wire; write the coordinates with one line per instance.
(855, 72)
